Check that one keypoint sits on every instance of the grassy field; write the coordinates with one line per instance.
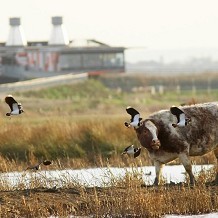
(82, 125)
(84, 121)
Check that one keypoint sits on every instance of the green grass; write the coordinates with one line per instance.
(88, 90)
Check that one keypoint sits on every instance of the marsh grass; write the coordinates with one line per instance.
(128, 199)
(73, 143)
(125, 197)
(63, 139)
(81, 126)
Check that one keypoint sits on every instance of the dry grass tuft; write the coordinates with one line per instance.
(125, 197)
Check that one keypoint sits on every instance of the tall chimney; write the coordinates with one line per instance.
(16, 35)
(58, 35)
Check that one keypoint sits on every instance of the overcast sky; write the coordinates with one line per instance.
(154, 24)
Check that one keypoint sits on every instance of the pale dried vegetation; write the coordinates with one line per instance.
(124, 198)
(53, 127)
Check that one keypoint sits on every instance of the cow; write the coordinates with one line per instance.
(165, 142)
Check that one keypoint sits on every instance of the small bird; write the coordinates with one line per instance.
(182, 120)
(130, 150)
(16, 108)
(135, 117)
(37, 166)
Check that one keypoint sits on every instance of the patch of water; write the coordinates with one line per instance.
(100, 177)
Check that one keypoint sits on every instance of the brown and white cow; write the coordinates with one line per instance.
(166, 143)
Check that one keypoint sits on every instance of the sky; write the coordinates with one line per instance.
(136, 24)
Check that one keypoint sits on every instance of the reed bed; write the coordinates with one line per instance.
(125, 197)
(72, 143)
(81, 127)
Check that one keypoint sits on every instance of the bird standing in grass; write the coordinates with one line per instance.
(130, 150)
(37, 166)
(16, 108)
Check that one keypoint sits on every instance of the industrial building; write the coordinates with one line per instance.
(59, 55)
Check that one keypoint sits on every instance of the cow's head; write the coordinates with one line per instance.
(146, 130)
(148, 135)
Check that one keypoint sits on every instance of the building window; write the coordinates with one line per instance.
(92, 60)
(113, 60)
(70, 61)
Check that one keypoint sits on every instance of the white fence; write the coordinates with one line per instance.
(42, 82)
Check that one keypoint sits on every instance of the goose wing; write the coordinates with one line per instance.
(127, 148)
(177, 112)
(11, 102)
(131, 111)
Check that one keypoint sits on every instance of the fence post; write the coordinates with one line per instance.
(161, 89)
(178, 89)
(153, 91)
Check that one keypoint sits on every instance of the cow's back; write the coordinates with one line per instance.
(201, 134)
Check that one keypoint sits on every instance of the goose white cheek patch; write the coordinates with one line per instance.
(182, 120)
(152, 128)
(135, 121)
